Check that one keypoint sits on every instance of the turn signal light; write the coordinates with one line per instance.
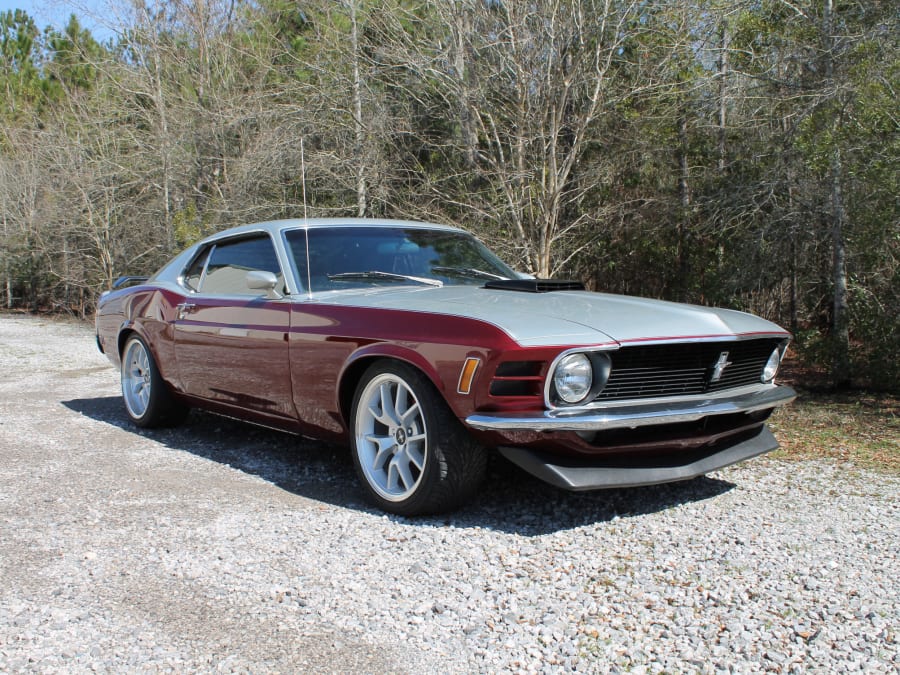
(467, 375)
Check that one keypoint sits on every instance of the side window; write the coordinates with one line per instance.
(194, 274)
(296, 244)
(229, 262)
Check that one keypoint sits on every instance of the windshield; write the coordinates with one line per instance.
(358, 257)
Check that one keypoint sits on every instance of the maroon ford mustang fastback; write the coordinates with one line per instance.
(423, 351)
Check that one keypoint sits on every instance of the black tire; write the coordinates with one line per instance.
(148, 401)
(415, 461)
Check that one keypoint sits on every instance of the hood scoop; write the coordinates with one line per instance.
(535, 285)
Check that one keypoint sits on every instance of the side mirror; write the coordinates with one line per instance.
(259, 280)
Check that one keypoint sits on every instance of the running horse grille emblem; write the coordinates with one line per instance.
(719, 367)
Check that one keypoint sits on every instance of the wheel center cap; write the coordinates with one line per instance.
(400, 436)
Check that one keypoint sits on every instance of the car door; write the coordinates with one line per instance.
(231, 341)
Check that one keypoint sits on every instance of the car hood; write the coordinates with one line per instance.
(566, 317)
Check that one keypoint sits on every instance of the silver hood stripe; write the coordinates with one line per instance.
(567, 317)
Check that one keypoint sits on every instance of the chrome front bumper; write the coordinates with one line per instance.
(637, 415)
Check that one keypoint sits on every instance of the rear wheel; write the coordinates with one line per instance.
(147, 398)
(412, 455)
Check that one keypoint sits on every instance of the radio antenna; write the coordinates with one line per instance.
(303, 176)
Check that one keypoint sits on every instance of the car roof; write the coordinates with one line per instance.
(276, 226)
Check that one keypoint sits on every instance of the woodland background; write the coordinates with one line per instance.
(741, 154)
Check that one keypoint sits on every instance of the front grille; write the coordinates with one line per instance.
(653, 371)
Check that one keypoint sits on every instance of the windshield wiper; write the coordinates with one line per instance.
(383, 276)
(469, 272)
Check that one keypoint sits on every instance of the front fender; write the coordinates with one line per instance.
(393, 351)
(362, 358)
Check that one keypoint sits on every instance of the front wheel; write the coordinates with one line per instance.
(412, 455)
(147, 398)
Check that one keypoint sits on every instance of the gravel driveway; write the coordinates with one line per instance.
(222, 547)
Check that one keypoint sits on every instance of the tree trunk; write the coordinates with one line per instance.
(840, 373)
(166, 157)
(6, 272)
(462, 27)
(359, 130)
(684, 193)
(840, 339)
(723, 98)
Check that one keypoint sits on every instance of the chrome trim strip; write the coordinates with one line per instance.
(638, 415)
(733, 337)
(663, 400)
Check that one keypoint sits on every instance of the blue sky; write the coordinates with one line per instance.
(97, 15)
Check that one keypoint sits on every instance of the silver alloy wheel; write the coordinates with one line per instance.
(136, 378)
(391, 437)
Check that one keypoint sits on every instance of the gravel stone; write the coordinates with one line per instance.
(220, 547)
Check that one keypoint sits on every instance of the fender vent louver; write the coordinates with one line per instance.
(535, 285)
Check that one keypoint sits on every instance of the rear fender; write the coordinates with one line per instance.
(150, 315)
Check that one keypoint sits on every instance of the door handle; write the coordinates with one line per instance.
(184, 309)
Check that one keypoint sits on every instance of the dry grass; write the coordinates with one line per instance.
(859, 427)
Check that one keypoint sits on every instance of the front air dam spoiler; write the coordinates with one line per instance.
(578, 475)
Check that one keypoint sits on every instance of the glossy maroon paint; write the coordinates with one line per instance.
(332, 345)
(236, 354)
(295, 365)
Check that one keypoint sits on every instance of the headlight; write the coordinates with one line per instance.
(573, 377)
(772, 366)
